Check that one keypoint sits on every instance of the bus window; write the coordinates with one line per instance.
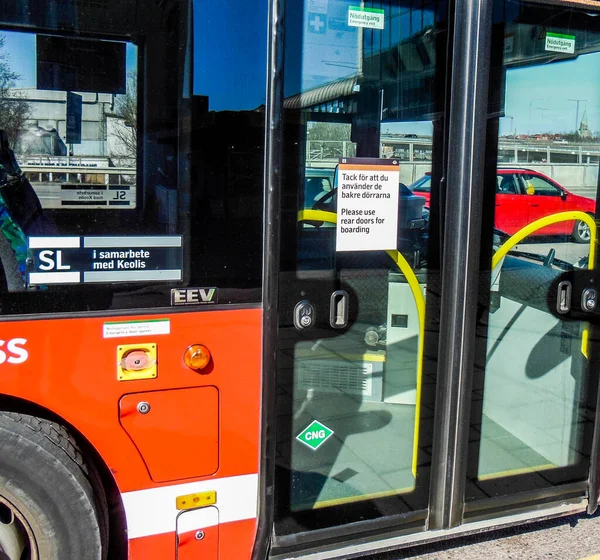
(131, 167)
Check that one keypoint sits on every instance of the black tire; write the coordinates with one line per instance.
(581, 232)
(49, 491)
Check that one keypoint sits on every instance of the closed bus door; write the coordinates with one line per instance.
(363, 115)
(533, 401)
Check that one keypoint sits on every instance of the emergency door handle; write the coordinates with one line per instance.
(563, 297)
(338, 309)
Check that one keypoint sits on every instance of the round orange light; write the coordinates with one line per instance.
(197, 357)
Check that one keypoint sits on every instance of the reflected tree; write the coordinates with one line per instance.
(14, 106)
(123, 128)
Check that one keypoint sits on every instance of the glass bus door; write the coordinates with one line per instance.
(534, 394)
(359, 315)
(363, 120)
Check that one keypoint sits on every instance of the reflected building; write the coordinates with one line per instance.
(584, 129)
(46, 127)
(388, 71)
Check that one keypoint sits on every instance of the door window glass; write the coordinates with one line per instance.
(355, 414)
(539, 186)
(532, 401)
(508, 184)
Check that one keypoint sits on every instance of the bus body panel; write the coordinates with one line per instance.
(235, 543)
(81, 387)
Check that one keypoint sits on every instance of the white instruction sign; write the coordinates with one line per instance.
(559, 42)
(367, 204)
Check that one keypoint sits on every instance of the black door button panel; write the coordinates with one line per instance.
(304, 315)
(574, 296)
(589, 298)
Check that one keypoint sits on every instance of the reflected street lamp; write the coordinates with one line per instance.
(511, 123)
(530, 104)
(543, 110)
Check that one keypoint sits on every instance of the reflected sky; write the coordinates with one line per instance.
(538, 97)
(230, 53)
(230, 63)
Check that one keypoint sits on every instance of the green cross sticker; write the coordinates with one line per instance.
(314, 435)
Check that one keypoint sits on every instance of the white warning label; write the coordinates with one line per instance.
(136, 328)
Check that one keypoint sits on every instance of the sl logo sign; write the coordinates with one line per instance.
(193, 296)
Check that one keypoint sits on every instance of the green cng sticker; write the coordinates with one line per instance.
(371, 18)
(314, 435)
(557, 42)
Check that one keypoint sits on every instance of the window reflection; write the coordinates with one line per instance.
(353, 91)
(153, 128)
(531, 401)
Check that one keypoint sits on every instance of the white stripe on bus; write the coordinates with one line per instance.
(53, 242)
(54, 277)
(132, 241)
(153, 512)
(130, 275)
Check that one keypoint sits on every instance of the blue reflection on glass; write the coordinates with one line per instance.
(230, 41)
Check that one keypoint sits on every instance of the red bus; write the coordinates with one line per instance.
(228, 329)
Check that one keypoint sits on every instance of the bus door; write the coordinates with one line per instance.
(534, 393)
(363, 118)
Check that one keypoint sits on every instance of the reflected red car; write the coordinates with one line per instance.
(525, 195)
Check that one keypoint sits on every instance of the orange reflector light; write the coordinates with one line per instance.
(197, 500)
(197, 357)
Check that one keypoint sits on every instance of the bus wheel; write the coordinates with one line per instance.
(52, 506)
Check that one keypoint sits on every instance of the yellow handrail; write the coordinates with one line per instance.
(324, 216)
(413, 283)
(546, 221)
(543, 222)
